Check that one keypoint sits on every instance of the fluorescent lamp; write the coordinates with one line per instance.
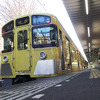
(88, 31)
(89, 45)
(86, 7)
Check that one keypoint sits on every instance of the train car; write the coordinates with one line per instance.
(37, 46)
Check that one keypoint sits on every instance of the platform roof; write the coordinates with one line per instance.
(84, 22)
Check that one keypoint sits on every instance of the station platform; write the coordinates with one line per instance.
(83, 85)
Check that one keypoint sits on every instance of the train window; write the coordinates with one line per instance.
(73, 53)
(44, 36)
(8, 41)
(68, 51)
(22, 40)
(40, 19)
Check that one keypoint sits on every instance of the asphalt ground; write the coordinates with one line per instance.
(73, 86)
(28, 89)
(79, 87)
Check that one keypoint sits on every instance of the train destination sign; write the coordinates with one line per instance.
(40, 19)
(22, 21)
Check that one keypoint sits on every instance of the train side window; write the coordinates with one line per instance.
(73, 53)
(22, 40)
(68, 51)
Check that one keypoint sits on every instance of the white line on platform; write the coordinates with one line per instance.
(58, 85)
(10, 97)
(38, 96)
(67, 80)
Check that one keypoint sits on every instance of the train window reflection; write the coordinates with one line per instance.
(45, 36)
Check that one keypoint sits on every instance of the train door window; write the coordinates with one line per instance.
(68, 51)
(22, 40)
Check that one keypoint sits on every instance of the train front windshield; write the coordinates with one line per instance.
(44, 36)
(8, 41)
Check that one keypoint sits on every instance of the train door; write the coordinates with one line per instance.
(22, 50)
(62, 51)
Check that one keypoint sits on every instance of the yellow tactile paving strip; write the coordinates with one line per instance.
(95, 73)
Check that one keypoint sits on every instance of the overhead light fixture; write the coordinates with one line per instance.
(89, 45)
(86, 7)
(88, 31)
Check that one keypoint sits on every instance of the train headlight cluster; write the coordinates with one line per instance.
(42, 55)
(5, 59)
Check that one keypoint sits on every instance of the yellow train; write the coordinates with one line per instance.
(37, 46)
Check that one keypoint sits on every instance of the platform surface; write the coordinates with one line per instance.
(74, 86)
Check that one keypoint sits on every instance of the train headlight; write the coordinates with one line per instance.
(42, 55)
(5, 59)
